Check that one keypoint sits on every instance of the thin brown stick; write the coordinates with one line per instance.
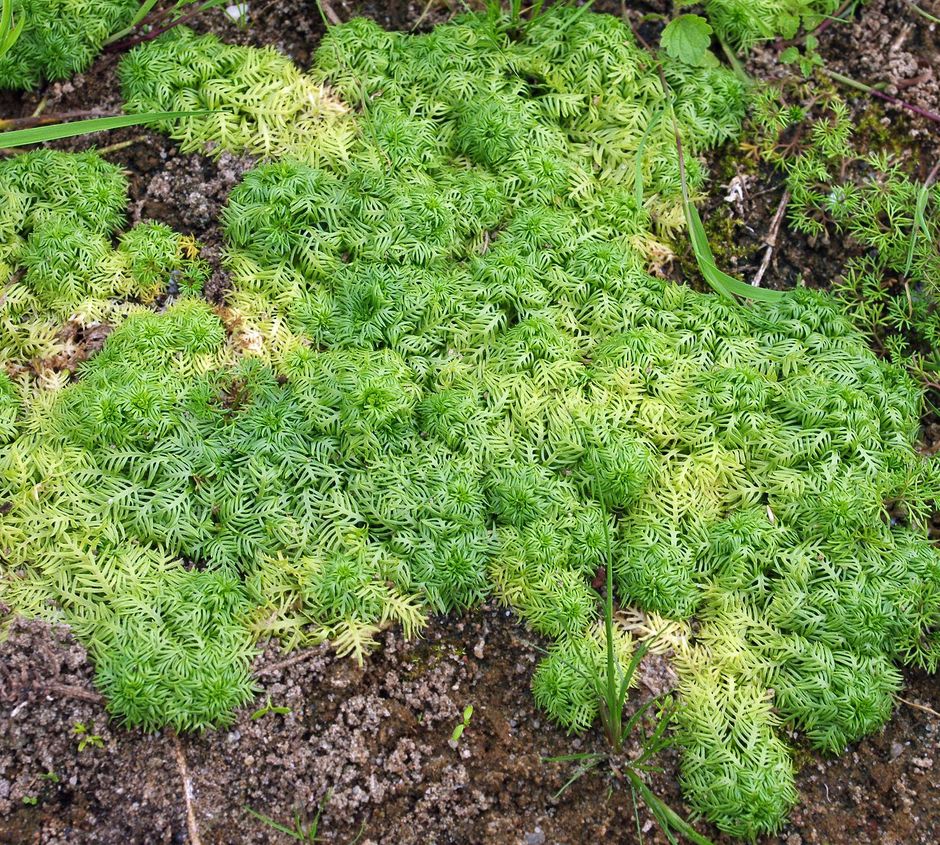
(162, 24)
(45, 119)
(932, 175)
(74, 692)
(121, 145)
(330, 12)
(916, 706)
(191, 825)
(771, 239)
(874, 92)
(274, 668)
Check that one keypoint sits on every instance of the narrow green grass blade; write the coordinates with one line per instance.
(145, 8)
(638, 175)
(10, 31)
(920, 224)
(280, 828)
(664, 813)
(639, 653)
(41, 134)
(724, 284)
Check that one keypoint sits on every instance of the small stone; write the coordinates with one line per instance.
(537, 837)
(897, 749)
(237, 11)
(478, 649)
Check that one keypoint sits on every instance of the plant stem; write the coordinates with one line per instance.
(43, 120)
(735, 63)
(874, 92)
(612, 685)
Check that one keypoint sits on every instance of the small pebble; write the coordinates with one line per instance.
(537, 837)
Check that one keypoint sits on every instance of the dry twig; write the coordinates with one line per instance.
(771, 239)
(191, 825)
(916, 706)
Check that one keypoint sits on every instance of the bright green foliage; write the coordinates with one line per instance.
(58, 214)
(9, 409)
(687, 38)
(446, 370)
(594, 77)
(171, 644)
(60, 38)
(566, 683)
(891, 289)
(742, 23)
(735, 767)
(179, 653)
(259, 101)
(156, 254)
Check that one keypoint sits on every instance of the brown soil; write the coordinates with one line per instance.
(370, 745)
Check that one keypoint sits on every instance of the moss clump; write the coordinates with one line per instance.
(447, 369)
(259, 101)
(59, 215)
(60, 38)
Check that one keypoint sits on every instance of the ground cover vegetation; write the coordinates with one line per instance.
(59, 38)
(443, 372)
(870, 197)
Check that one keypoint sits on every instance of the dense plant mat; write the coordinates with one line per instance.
(442, 367)
(57, 220)
(60, 38)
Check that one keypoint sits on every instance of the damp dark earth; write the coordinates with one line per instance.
(342, 684)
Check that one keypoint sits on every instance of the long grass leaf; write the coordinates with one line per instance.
(724, 284)
(637, 656)
(10, 30)
(145, 9)
(638, 175)
(41, 134)
(664, 813)
(920, 224)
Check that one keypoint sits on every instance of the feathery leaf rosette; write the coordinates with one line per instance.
(447, 371)
(60, 38)
(258, 101)
(60, 213)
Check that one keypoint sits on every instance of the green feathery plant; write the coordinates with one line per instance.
(58, 265)
(891, 286)
(573, 686)
(247, 99)
(742, 24)
(58, 38)
(443, 372)
(44, 40)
